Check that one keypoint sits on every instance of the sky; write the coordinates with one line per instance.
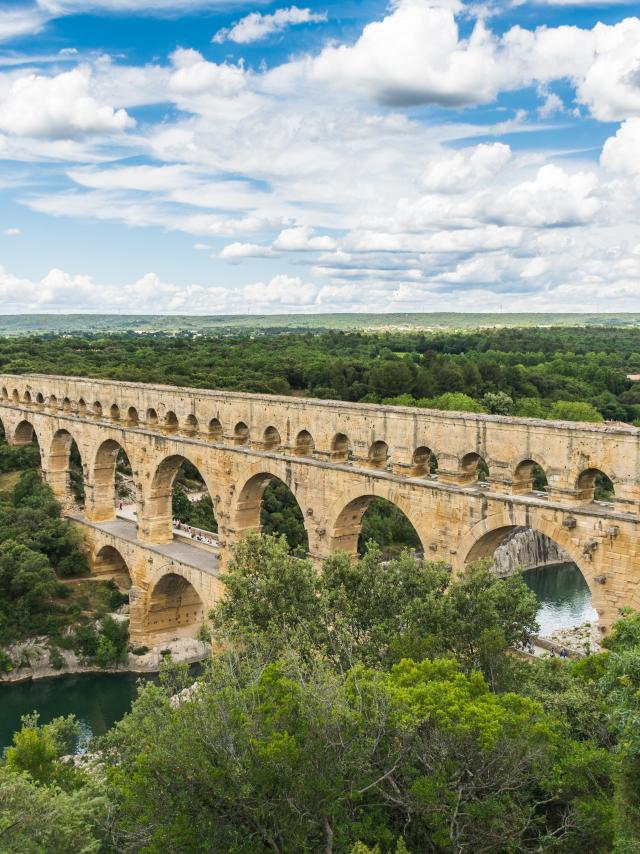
(192, 157)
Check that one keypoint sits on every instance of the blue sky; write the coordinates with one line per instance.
(422, 155)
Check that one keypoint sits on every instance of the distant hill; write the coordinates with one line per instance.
(23, 324)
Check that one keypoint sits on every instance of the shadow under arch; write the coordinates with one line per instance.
(103, 496)
(267, 504)
(347, 527)
(25, 433)
(109, 562)
(174, 608)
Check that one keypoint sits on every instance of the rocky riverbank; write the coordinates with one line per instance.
(35, 659)
(582, 640)
(526, 549)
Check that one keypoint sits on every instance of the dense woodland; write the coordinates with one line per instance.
(573, 373)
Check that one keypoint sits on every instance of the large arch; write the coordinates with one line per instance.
(25, 433)
(109, 562)
(64, 467)
(158, 517)
(174, 608)
(348, 523)
(249, 515)
(101, 493)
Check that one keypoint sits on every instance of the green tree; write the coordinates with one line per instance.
(564, 410)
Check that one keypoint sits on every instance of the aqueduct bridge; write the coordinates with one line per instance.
(336, 457)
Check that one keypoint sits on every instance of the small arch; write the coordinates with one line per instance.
(53, 401)
(151, 417)
(97, 409)
(132, 416)
(215, 430)
(40, 399)
(304, 445)
(474, 467)
(5, 393)
(240, 434)
(191, 425)
(27, 397)
(174, 607)
(66, 405)
(529, 476)
(110, 563)
(170, 422)
(15, 396)
(271, 439)
(340, 448)
(594, 485)
(378, 455)
(423, 462)
(82, 406)
(114, 412)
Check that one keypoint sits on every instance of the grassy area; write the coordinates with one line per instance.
(8, 480)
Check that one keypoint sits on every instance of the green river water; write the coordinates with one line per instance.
(99, 700)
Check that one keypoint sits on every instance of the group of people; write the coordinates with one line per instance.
(194, 533)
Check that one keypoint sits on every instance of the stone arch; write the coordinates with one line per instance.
(110, 563)
(474, 467)
(593, 484)
(271, 439)
(304, 446)
(348, 523)
(5, 393)
(171, 422)
(27, 397)
(527, 475)
(174, 607)
(191, 425)
(59, 468)
(215, 430)
(151, 417)
(340, 448)
(378, 457)
(53, 402)
(101, 492)
(132, 417)
(248, 507)
(423, 462)
(15, 396)
(82, 406)
(114, 412)
(40, 399)
(97, 409)
(66, 404)
(24, 433)
(158, 514)
(240, 434)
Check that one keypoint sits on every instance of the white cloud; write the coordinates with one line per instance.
(282, 290)
(11, 232)
(621, 153)
(74, 7)
(300, 239)
(554, 197)
(194, 75)
(456, 172)
(255, 26)
(235, 252)
(19, 22)
(58, 106)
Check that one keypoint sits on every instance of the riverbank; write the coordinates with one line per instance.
(34, 657)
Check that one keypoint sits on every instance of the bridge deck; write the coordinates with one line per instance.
(179, 550)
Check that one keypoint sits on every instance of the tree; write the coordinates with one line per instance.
(565, 410)
(498, 403)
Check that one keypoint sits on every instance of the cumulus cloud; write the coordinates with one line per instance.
(194, 75)
(301, 239)
(58, 106)
(621, 153)
(255, 26)
(460, 170)
(554, 197)
(235, 252)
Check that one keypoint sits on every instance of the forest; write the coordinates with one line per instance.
(566, 373)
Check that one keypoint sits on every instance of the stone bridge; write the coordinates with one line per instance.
(336, 457)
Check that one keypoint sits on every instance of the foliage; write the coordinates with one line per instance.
(564, 410)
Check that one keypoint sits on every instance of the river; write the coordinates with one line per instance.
(99, 700)
(565, 600)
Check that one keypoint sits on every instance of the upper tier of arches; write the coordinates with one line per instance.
(428, 452)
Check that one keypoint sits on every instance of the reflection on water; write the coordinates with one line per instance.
(565, 600)
(98, 701)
